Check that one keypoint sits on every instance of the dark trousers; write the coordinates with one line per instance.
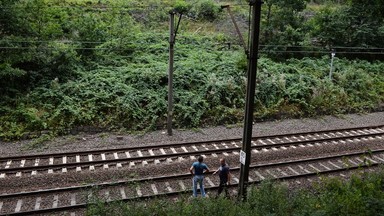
(223, 186)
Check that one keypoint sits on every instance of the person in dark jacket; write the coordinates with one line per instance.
(197, 170)
(225, 177)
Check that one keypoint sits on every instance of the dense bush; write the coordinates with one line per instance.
(105, 64)
(361, 195)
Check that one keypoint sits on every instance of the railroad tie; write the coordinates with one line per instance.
(305, 170)
(18, 205)
(55, 201)
(224, 145)
(131, 164)
(234, 144)
(282, 172)
(51, 159)
(163, 152)
(271, 141)
(184, 149)
(237, 180)
(139, 153)
(333, 164)
(138, 191)
(168, 186)
(272, 174)
(2, 175)
(181, 183)
(78, 169)
(353, 162)
(118, 165)
(265, 150)
(18, 174)
(173, 150)
(151, 152)
(210, 181)
(154, 189)
(73, 199)
(22, 163)
(1, 206)
(144, 163)
(122, 192)
(294, 171)
(315, 168)
(64, 170)
(259, 175)
(262, 142)
(378, 158)
(38, 202)
(105, 166)
(128, 155)
(90, 158)
(107, 195)
(8, 164)
(157, 162)
(327, 168)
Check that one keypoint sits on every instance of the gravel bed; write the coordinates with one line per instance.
(110, 140)
(100, 175)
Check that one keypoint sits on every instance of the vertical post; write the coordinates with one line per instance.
(250, 98)
(330, 71)
(170, 71)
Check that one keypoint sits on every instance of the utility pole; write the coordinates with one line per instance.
(170, 71)
(172, 39)
(245, 154)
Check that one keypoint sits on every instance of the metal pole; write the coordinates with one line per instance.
(237, 28)
(170, 72)
(250, 98)
(330, 72)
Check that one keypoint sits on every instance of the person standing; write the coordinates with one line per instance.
(225, 177)
(198, 169)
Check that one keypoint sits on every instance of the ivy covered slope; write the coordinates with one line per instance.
(104, 63)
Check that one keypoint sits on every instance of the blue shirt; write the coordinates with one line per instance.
(223, 173)
(199, 168)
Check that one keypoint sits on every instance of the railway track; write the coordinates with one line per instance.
(117, 158)
(71, 199)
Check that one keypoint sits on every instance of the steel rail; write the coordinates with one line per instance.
(179, 154)
(99, 151)
(145, 197)
(161, 178)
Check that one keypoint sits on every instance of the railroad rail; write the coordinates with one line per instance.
(63, 162)
(70, 199)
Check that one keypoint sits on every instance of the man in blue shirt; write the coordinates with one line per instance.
(197, 170)
(225, 177)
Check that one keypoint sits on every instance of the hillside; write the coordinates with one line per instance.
(104, 64)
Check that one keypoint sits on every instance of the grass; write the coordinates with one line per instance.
(362, 194)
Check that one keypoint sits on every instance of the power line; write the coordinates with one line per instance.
(117, 49)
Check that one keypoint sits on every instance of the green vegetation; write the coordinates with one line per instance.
(361, 195)
(104, 63)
